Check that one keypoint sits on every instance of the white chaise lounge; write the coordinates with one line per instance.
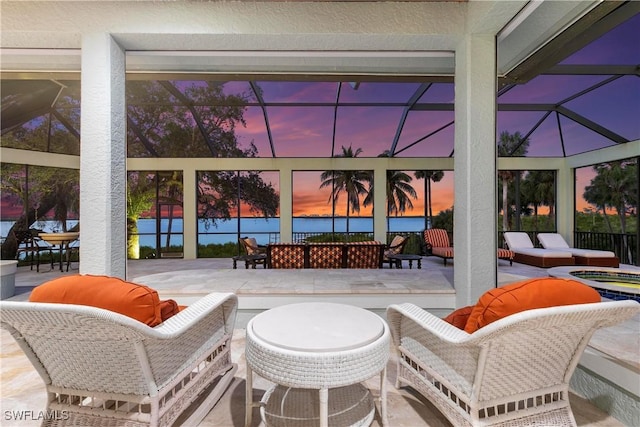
(590, 257)
(525, 253)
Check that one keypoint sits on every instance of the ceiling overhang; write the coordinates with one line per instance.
(540, 50)
(543, 33)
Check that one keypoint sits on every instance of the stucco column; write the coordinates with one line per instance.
(190, 213)
(380, 202)
(286, 205)
(565, 202)
(474, 220)
(102, 157)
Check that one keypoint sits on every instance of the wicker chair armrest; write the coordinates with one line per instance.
(200, 329)
(199, 311)
(175, 326)
(437, 348)
(432, 324)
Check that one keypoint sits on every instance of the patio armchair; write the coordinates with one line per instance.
(589, 257)
(514, 371)
(437, 241)
(254, 254)
(396, 247)
(73, 252)
(102, 367)
(31, 245)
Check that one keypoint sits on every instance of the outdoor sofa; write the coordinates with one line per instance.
(368, 254)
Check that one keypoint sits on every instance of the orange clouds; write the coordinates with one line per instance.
(309, 199)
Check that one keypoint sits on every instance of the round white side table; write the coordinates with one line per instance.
(317, 346)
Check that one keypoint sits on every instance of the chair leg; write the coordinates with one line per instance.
(68, 258)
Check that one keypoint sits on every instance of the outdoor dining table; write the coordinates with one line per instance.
(61, 240)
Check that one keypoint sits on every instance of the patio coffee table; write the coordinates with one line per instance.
(317, 354)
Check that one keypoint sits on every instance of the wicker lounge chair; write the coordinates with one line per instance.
(438, 240)
(103, 368)
(590, 257)
(512, 372)
(524, 252)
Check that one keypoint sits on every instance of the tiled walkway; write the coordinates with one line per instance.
(21, 388)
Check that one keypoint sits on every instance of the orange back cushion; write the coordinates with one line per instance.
(110, 293)
(459, 317)
(438, 237)
(527, 295)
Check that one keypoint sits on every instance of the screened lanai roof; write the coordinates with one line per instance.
(589, 99)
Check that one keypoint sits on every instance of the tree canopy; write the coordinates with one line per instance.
(509, 145)
(164, 119)
(615, 186)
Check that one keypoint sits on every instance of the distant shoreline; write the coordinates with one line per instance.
(227, 230)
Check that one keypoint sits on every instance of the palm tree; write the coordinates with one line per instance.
(399, 191)
(350, 182)
(614, 186)
(140, 197)
(509, 145)
(539, 190)
(428, 176)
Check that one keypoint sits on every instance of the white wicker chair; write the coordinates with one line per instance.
(103, 368)
(512, 372)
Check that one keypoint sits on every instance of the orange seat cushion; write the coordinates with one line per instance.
(527, 295)
(110, 293)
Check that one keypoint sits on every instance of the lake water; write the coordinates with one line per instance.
(227, 231)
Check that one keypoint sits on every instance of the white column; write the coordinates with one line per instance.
(474, 225)
(286, 205)
(102, 157)
(565, 202)
(189, 212)
(380, 203)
